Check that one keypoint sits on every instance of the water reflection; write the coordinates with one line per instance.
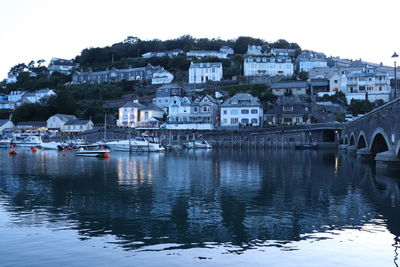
(197, 198)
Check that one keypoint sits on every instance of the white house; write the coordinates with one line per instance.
(203, 72)
(57, 121)
(11, 79)
(38, 96)
(308, 60)
(241, 109)
(227, 50)
(254, 50)
(15, 96)
(6, 124)
(136, 115)
(268, 66)
(77, 126)
(165, 93)
(368, 84)
(197, 113)
(171, 53)
(206, 53)
(162, 76)
(64, 66)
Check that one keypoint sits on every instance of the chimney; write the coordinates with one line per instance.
(135, 100)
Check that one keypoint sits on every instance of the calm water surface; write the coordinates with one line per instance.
(206, 208)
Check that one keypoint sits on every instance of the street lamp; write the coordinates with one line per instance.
(395, 56)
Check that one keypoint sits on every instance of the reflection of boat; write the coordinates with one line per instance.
(142, 143)
(92, 151)
(307, 146)
(29, 141)
(198, 144)
(52, 145)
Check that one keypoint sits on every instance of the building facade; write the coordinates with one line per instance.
(268, 66)
(57, 121)
(197, 113)
(77, 126)
(171, 53)
(308, 60)
(241, 109)
(203, 72)
(287, 114)
(290, 88)
(165, 93)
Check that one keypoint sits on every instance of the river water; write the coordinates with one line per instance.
(202, 208)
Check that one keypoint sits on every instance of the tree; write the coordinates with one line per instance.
(360, 106)
(30, 112)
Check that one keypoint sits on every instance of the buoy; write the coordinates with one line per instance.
(106, 155)
(12, 152)
(33, 149)
(69, 148)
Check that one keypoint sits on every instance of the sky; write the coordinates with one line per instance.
(42, 29)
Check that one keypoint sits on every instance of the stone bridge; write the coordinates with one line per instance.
(376, 135)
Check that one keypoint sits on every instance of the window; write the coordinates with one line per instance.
(234, 112)
(361, 88)
(234, 120)
(244, 121)
(254, 111)
(254, 121)
(225, 121)
(287, 108)
(196, 109)
(244, 111)
(287, 120)
(225, 111)
(380, 88)
(297, 120)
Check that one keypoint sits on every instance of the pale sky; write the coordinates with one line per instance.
(42, 29)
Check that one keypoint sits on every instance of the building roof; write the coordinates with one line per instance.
(133, 105)
(366, 73)
(206, 65)
(2, 122)
(44, 91)
(290, 84)
(298, 109)
(241, 100)
(65, 117)
(319, 82)
(152, 107)
(78, 122)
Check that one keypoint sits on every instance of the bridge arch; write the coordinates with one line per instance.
(352, 141)
(362, 140)
(379, 141)
(346, 140)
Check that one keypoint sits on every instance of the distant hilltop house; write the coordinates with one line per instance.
(17, 98)
(162, 76)
(222, 53)
(38, 96)
(309, 60)
(136, 115)
(118, 75)
(203, 72)
(254, 50)
(241, 109)
(64, 66)
(171, 53)
(268, 66)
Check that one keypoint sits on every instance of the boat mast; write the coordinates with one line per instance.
(105, 125)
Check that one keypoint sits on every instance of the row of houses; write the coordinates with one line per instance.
(16, 98)
(58, 123)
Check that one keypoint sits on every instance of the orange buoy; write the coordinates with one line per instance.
(33, 149)
(69, 148)
(106, 155)
(12, 152)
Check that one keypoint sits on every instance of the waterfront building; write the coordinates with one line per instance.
(192, 113)
(241, 109)
(6, 124)
(206, 53)
(268, 66)
(64, 66)
(136, 115)
(296, 88)
(115, 75)
(77, 126)
(171, 53)
(57, 121)
(203, 72)
(308, 60)
(288, 114)
(165, 93)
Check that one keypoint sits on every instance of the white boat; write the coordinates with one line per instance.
(198, 144)
(92, 151)
(52, 145)
(29, 141)
(142, 143)
(5, 143)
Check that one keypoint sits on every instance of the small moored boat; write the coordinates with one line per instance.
(198, 144)
(99, 151)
